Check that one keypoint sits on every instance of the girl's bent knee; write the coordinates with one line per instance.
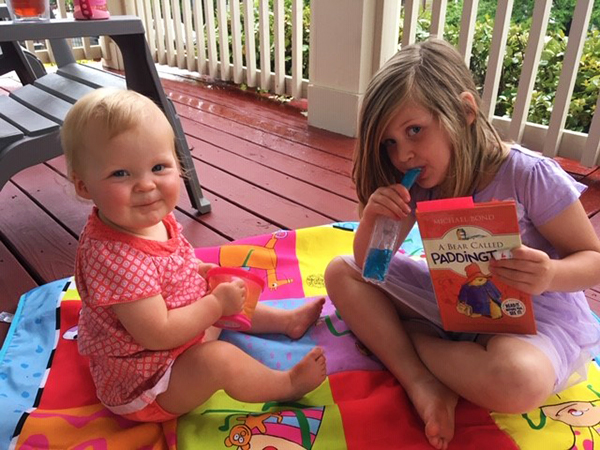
(521, 387)
(336, 267)
(336, 273)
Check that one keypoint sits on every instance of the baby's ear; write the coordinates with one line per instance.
(80, 188)
(470, 106)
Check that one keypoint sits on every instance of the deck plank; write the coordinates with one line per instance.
(575, 168)
(300, 132)
(282, 212)
(45, 186)
(591, 197)
(46, 246)
(250, 133)
(312, 166)
(334, 207)
(14, 281)
(329, 160)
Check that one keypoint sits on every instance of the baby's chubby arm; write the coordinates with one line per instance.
(155, 327)
(391, 201)
(534, 272)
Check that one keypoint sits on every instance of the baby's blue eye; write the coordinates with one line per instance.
(158, 168)
(119, 173)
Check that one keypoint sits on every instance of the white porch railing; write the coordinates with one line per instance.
(224, 39)
(379, 22)
(231, 40)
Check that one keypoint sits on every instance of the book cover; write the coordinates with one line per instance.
(460, 238)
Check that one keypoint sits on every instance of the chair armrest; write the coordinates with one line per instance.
(70, 28)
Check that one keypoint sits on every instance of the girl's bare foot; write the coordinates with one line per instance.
(309, 373)
(303, 317)
(436, 405)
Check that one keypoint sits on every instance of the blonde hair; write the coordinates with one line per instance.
(433, 75)
(114, 111)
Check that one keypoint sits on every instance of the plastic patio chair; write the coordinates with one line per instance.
(30, 117)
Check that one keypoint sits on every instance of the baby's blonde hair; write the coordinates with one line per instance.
(112, 110)
(433, 75)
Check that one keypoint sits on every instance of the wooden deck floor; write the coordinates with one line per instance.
(261, 166)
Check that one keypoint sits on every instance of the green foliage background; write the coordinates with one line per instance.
(585, 95)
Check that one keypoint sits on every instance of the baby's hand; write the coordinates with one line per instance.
(203, 268)
(391, 201)
(529, 270)
(231, 296)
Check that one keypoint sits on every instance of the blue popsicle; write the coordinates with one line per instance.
(410, 177)
(378, 259)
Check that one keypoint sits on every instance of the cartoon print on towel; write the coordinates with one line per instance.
(254, 256)
(574, 419)
(294, 429)
(583, 418)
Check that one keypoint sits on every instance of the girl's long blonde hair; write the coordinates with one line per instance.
(433, 75)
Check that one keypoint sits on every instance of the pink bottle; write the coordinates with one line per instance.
(90, 10)
(254, 287)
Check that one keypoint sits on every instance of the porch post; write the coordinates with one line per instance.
(349, 41)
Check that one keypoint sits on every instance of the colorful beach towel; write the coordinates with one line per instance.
(47, 399)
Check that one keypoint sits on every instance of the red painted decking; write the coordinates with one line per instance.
(260, 164)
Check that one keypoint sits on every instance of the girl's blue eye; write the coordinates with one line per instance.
(389, 143)
(119, 173)
(414, 130)
(158, 168)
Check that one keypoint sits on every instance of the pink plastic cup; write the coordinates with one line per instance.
(254, 287)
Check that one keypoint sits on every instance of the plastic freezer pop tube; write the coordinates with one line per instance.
(384, 239)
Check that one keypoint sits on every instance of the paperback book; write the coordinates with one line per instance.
(460, 238)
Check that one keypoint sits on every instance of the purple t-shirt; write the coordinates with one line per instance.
(540, 188)
(538, 185)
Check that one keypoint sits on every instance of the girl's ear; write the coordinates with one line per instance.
(80, 188)
(470, 106)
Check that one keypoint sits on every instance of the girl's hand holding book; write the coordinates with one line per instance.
(529, 270)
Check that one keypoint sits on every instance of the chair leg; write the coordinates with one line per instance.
(190, 176)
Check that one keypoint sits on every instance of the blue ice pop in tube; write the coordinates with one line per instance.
(385, 238)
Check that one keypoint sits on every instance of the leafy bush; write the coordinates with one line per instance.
(585, 95)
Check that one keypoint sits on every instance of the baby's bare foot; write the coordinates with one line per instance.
(309, 373)
(303, 317)
(436, 405)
